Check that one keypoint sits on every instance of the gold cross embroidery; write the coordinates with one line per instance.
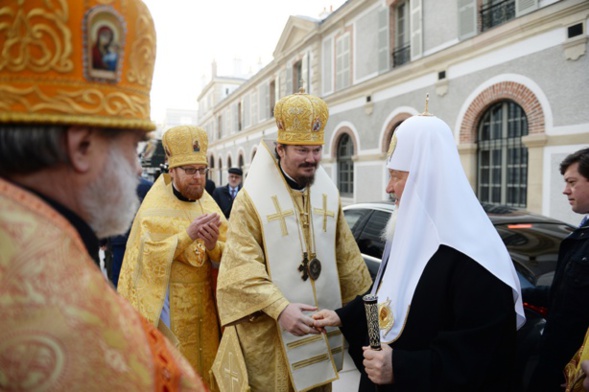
(324, 212)
(280, 215)
(231, 374)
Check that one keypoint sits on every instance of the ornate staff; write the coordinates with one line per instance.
(371, 308)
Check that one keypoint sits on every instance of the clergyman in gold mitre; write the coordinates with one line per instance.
(75, 79)
(301, 119)
(185, 145)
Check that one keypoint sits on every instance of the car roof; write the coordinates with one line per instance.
(499, 214)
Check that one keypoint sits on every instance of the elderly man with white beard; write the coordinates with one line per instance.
(69, 134)
(448, 296)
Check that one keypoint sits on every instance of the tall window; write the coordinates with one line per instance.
(345, 174)
(402, 52)
(297, 76)
(239, 116)
(211, 167)
(272, 101)
(502, 158)
(220, 171)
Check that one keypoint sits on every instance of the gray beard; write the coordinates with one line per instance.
(389, 231)
(111, 201)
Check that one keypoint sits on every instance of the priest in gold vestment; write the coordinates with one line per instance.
(289, 252)
(69, 133)
(176, 239)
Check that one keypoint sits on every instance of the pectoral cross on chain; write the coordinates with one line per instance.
(324, 212)
(304, 267)
(280, 215)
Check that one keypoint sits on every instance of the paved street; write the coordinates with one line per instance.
(349, 377)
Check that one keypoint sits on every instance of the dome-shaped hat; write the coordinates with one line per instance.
(185, 145)
(76, 62)
(301, 119)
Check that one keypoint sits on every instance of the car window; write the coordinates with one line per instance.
(369, 239)
(353, 216)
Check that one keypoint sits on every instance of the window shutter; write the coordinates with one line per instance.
(523, 7)
(383, 41)
(235, 117)
(467, 18)
(264, 94)
(289, 79)
(305, 73)
(327, 73)
(246, 111)
(416, 29)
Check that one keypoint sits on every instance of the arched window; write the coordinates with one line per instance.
(240, 162)
(220, 171)
(502, 158)
(345, 174)
(211, 167)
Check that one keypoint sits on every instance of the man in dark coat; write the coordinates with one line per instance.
(224, 195)
(117, 244)
(566, 299)
(448, 295)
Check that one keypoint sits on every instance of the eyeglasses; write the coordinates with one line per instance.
(193, 170)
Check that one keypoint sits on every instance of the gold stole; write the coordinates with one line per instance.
(313, 359)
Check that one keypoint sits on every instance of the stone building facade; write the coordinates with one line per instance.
(511, 78)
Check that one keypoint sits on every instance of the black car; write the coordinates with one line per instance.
(531, 239)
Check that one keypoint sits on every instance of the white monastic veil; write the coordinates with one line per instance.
(438, 206)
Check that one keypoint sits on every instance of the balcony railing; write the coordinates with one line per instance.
(401, 55)
(497, 14)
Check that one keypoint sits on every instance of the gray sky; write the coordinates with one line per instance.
(191, 33)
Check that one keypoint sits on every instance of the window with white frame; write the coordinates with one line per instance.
(345, 165)
(402, 50)
(502, 157)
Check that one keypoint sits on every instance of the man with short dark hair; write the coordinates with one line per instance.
(289, 251)
(567, 297)
(69, 132)
(224, 195)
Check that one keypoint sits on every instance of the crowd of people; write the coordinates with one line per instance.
(254, 285)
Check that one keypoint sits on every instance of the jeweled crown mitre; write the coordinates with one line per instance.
(76, 62)
(185, 145)
(301, 119)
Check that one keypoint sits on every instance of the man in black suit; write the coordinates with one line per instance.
(224, 195)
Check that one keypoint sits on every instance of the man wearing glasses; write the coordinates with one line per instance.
(176, 241)
(290, 251)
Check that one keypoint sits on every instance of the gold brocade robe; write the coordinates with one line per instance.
(160, 256)
(574, 375)
(249, 299)
(62, 325)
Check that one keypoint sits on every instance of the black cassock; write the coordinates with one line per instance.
(460, 333)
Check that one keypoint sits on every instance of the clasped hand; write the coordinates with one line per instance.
(294, 320)
(205, 227)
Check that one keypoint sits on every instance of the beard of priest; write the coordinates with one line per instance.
(292, 253)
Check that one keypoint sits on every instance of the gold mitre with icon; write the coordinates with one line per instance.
(301, 119)
(185, 145)
(75, 62)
